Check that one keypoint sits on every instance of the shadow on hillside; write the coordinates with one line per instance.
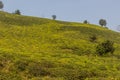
(117, 56)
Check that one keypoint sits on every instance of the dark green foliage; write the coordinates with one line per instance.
(21, 65)
(93, 38)
(102, 22)
(40, 69)
(105, 47)
(1, 5)
(54, 17)
(85, 22)
(17, 12)
(35, 69)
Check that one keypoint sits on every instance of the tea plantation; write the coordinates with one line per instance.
(34, 48)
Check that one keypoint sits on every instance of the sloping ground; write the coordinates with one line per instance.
(41, 49)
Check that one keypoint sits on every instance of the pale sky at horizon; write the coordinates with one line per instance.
(69, 10)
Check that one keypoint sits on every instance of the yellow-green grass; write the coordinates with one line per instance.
(42, 49)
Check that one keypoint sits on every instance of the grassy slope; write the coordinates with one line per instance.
(42, 49)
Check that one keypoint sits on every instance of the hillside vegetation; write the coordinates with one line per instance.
(34, 48)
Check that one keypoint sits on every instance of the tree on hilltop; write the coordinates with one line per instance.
(17, 12)
(102, 22)
(85, 22)
(1, 5)
(54, 17)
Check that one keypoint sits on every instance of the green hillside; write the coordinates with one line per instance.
(34, 48)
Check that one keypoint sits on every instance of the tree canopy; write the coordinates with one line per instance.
(17, 12)
(54, 17)
(1, 5)
(102, 22)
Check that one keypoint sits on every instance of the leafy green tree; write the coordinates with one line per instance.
(105, 47)
(1, 5)
(17, 12)
(54, 17)
(85, 22)
(102, 22)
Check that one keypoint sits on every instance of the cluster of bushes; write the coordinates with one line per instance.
(100, 48)
(17, 12)
(104, 47)
(20, 68)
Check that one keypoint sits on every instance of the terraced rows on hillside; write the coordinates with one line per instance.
(34, 48)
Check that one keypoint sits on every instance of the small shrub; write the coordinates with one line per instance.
(85, 22)
(102, 22)
(105, 47)
(93, 38)
(17, 12)
(1, 5)
(21, 65)
(54, 17)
